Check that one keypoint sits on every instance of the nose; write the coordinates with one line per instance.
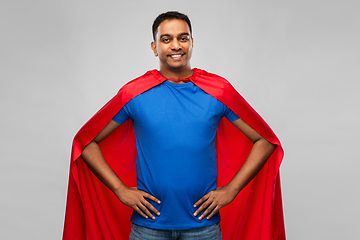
(175, 45)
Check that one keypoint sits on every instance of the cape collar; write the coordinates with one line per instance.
(193, 78)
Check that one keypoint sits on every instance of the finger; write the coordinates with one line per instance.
(138, 210)
(201, 200)
(207, 211)
(146, 211)
(202, 207)
(150, 207)
(151, 197)
(213, 212)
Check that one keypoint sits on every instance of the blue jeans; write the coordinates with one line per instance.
(212, 232)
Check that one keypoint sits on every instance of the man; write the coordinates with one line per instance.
(175, 115)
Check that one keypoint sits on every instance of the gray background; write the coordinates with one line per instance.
(296, 62)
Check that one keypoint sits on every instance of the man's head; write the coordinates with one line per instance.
(168, 16)
(173, 43)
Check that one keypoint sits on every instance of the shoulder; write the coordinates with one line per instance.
(207, 76)
(148, 76)
(214, 81)
(141, 83)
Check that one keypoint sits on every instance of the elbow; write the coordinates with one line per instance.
(266, 145)
(88, 148)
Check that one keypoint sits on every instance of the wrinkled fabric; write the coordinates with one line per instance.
(93, 212)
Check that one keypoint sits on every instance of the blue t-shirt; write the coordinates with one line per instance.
(175, 128)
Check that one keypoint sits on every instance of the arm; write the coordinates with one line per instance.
(131, 197)
(260, 152)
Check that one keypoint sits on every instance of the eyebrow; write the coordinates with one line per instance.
(168, 35)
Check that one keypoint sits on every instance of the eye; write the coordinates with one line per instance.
(165, 40)
(184, 39)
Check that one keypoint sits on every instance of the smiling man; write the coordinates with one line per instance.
(192, 132)
(173, 45)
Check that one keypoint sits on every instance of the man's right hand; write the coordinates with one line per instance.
(136, 199)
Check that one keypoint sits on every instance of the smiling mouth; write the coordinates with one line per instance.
(176, 56)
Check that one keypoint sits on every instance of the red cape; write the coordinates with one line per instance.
(93, 212)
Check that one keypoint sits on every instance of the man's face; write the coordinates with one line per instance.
(173, 44)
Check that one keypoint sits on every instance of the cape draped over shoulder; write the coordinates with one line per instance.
(93, 212)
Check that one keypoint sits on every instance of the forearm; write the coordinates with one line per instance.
(94, 159)
(131, 197)
(213, 201)
(257, 158)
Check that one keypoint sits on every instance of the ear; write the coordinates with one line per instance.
(153, 47)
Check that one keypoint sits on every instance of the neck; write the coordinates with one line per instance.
(176, 74)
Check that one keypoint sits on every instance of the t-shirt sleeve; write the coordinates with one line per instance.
(123, 115)
(229, 114)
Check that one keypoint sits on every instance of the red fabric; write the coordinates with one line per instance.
(93, 212)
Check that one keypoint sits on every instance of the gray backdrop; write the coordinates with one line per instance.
(296, 62)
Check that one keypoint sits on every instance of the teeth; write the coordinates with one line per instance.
(174, 56)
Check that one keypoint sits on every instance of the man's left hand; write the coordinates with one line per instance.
(213, 201)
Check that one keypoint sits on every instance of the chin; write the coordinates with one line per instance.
(177, 66)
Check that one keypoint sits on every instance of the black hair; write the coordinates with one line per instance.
(167, 16)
